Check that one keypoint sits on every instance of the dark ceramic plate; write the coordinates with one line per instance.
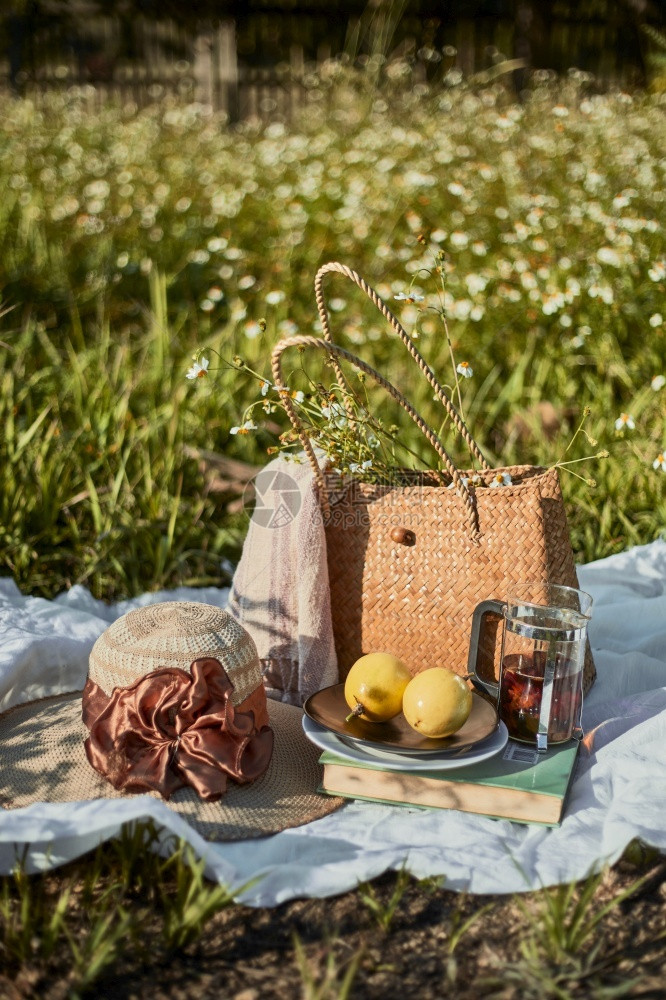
(328, 708)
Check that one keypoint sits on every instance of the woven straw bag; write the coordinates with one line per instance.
(409, 563)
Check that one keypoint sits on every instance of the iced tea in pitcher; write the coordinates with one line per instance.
(520, 697)
(544, 634)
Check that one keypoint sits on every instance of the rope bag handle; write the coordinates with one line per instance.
(335, 353)
(397, 327)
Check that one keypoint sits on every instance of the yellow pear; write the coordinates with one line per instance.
(437, 702)
(374, 687)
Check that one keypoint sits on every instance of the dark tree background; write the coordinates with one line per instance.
(546, 34)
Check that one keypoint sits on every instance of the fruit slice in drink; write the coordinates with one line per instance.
(521, 689)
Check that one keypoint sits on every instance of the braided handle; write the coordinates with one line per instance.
(395, 325)
(334, 351)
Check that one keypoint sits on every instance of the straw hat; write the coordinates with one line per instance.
(134, 669)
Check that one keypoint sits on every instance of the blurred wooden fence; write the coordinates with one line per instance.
(252, 66)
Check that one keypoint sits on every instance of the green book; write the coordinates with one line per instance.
(518, 784)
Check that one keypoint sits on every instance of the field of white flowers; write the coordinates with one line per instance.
(132, 239)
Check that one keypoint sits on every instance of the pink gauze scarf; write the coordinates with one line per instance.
(280, 591)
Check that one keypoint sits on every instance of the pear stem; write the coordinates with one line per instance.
(355, 712)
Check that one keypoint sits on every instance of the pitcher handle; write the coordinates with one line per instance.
(480, 611)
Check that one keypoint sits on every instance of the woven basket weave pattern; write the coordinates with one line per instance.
(417, 600)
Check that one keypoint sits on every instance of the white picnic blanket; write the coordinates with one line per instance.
(619, 792)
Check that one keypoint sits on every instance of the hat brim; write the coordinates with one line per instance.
(43, 760)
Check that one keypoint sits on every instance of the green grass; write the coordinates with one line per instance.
(131, 240)
(125, 920)
(98, 914)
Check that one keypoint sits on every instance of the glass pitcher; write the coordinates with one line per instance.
(540, 690)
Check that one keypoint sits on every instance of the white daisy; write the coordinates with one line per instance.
(500, 479)
(625, 420)
(472, 481)
(199, 369)
(245, 428)
(336, 414)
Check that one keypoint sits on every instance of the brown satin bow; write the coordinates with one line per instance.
(170, 728)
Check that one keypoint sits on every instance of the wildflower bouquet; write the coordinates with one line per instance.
(339, 419)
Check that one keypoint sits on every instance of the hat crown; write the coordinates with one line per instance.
(173, 619)
(173, 634)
